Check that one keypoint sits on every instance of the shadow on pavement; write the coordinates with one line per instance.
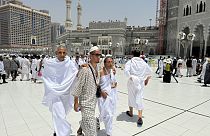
(124, 117)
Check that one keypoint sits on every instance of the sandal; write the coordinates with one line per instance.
(79, 132)
(128, 113)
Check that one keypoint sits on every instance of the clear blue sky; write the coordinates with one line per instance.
(138, 12)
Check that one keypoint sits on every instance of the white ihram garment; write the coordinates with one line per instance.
(137, 70)
(203, 70)
(107, 107)
(33, 68)
(2, 71)
(160, 65)
(25, 68)
(194, 64)
(179, 67)
(58, 77)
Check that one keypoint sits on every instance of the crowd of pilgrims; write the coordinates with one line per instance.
(32, 65)
(168, 67)
(27, 65)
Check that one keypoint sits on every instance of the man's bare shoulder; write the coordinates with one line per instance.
(102, 72)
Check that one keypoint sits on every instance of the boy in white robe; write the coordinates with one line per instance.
(194, 65)
(160, 65)
(107, 103)
(139, 74)
(33, 68)
(179, 67)
(58, 75)
(25, 68)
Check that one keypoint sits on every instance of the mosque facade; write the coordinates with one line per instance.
(113, 37)
(191, 17)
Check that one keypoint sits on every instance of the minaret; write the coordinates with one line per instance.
(68, 23)
(79, 15)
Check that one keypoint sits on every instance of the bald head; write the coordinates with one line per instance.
(61, 52)
(60, 46)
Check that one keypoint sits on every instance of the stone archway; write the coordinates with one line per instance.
(151, 51)
(199, 42)
(208, 44)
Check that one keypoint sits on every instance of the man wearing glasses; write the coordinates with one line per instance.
(85, 93)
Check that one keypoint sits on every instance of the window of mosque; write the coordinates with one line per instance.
(187, 10)
(204, 6)
(201, 7)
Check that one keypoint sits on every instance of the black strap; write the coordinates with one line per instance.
(93, 74)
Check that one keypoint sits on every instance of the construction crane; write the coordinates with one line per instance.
(157, 14)
(161, 23)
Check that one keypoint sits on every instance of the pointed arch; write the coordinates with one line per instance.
(199, 42)
(151, 51)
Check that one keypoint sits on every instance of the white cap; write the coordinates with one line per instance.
(108, 55)
(168, 61)
(142, 56)
(208, 59)
(94, 48)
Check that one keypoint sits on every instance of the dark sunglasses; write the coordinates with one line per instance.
(96, 54)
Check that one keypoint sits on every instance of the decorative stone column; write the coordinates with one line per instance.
(79, 16)
(68, 23)
(205, 45)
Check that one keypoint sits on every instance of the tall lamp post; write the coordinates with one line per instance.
(191, 38)
(110, 48)
(113, 48)
(180, 37)
(141, 43)
(186, 38)
(150, 20)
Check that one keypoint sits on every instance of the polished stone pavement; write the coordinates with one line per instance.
(175, 109)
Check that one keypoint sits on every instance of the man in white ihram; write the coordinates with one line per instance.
(160, 65)
(139, 74)
(58, 75)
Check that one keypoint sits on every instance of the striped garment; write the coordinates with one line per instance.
(85, 90)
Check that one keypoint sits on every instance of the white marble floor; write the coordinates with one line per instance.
(175, 109)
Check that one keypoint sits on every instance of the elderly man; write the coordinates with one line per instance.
(58, 75)
(85, 93)
(107, 103)
(139, 74)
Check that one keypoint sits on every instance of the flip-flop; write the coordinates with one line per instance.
(127, 112)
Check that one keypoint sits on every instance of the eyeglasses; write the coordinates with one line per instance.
(96, 55)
